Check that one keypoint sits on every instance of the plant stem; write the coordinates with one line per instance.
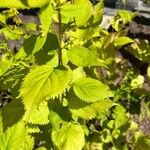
(59, 35)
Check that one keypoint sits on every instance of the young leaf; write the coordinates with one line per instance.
(45, 16)
(120, 41)
(22, 3)
(98, 12)
(91, 90)
(43, 83)
(11, 33)
(39, 115)
(14, 137)
(70, 137)
(126, 16)
(83, 57)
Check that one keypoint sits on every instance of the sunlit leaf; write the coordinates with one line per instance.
(83, 57)
(45, 16)
(70, 137)
(91, 90)
(14, 137)
(43, 83)
(22, 3)
(120, 41)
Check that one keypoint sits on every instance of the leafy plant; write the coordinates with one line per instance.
(57, 97)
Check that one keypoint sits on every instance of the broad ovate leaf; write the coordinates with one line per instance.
(70, 137)
(43, 83)
(83, 57)
(91, 90)
(45, 16)
(22, 3)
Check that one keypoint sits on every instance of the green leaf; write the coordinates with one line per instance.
(85, 110)
(43, 83)
(45, 16)
(22, 3)
(12, 33)
(78, 73)
(137, 82)
(121, 41)
(91, 90)
(32, 45)
(58, 114)
(48, 51)
(4, 66)
(80, 10)
(141, 50)
(83, 57)
(85, 11)
(39, 115)
(13, 78)
(14, 137)
(28, 143)
(3, 18)
(70, 137)
(12, 113)
(126, 16)
(98, 12)
(142, 143)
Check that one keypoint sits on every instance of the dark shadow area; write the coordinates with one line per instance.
(12, 113)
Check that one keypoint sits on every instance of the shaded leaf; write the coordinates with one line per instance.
(58, 114)
(13, 78)
(32, 45)
(85, 110)
(12, 113)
